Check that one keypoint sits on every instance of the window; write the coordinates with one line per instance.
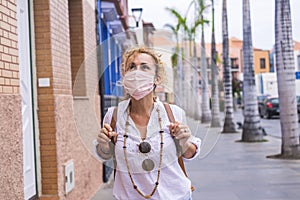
(263, 63)
(234, 63)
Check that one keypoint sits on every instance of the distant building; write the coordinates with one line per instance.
(261, 58)
(272, 61)
(162, 41)
(261, 61)
(296, 57)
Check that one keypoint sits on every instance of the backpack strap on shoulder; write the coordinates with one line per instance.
(169, 112)
(178, 147)
(172, 120)
(113, 123)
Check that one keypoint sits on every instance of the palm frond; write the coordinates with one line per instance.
(175, 13)
(170, 26)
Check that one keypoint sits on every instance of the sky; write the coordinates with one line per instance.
(262, 18)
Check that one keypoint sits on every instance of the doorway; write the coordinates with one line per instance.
(29, 170)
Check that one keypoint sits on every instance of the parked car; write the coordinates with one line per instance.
(270, 107)
(260, 102)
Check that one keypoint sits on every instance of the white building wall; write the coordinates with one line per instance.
(266, 83)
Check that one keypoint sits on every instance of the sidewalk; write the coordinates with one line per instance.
(237, 171)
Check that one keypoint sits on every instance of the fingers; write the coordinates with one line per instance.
(173, 128)
(106, 134)
(179, 131)
(183, 132)
(107, 127)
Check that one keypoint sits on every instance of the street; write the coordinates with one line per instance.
(240, 171)
(271, 126)
(228, 169)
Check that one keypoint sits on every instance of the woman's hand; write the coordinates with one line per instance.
(104, 138)
(106, 134)
(182, 133)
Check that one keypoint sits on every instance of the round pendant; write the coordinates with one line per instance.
(144, 147)
(148, 165)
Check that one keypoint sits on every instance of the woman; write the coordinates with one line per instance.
(144, 149)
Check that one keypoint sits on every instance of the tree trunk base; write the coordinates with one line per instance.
(228, 131)
(293, 154)
(252, 133)
(285, 157)
(205, 119)
(252, 141)
(229, 127)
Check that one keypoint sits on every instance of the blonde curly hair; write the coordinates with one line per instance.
(159, 71)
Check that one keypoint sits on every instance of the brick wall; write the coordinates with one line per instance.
(45, 98)
(11, 146)
(77, 48)
(60, 47)
(59, 139)
(89, 19)
(9, 69)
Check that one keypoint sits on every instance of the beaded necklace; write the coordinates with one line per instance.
(160, 156)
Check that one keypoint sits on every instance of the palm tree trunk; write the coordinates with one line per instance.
(179, 79)
(286, 80)
(252, 131)
(215, 122)
(197, 113)
(206, 114)
(229, 126)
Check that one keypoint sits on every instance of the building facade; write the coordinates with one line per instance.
(296, 57)
(50, 104)
(11, 142)
(261, 60)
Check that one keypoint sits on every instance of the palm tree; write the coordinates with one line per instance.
(215, 122)
(251, 130)
(190, 32)
(286, 80)
(177, 57)
(206, 114)
(181, 21)
(176, 60)
(200, 8)
(175, 31)
(229, 126)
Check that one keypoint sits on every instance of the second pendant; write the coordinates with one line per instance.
(148, 165)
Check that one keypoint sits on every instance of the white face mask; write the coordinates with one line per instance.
(138, 83)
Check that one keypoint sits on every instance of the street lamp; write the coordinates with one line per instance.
(137, 13)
